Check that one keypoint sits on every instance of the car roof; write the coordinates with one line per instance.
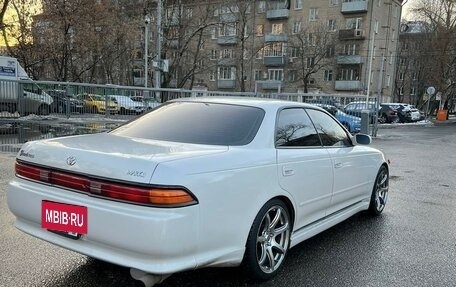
(247, 101)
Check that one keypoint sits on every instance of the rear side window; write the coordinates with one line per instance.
(330, 132)
(197, 123)
(295, 129)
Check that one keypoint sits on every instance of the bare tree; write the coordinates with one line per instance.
(441, 43)
(314, 49)
(185, 30)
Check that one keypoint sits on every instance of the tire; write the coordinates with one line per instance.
(379, 195)
(383, 119)
(268, 241)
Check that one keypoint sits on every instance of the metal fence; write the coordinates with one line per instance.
(62, 99)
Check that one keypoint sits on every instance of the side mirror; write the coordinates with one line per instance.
(361, 139)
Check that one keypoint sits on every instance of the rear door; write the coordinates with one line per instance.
(304, 166)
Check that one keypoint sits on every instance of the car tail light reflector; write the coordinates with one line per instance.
(147, 195)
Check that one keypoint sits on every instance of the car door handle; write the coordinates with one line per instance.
(286, 171)
(338, 165)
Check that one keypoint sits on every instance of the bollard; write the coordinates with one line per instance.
(365, 122)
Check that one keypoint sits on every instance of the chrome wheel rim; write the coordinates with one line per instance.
(381, 190)
(273, 239)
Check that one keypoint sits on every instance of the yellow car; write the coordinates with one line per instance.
(97, 104)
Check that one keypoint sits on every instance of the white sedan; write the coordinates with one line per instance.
(196, 183)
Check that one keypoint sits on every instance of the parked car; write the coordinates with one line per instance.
(407, 113)
(62, 102)
(242, 181)
(149, 103)
(127, 106)
(351, 123)
(355, 109)
(326, 101)
(387, 113)
(97, 104)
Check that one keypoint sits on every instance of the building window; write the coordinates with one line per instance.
(274, 50)
(401, 76)
(333, 3)
(214, 33)
(275, 74)
(412, 91)
(296, 27)
(259, 30)
(313, 14)
(292, 75)
(388, 80)
(257, 75)
(391, 58)
(401, 91)
(331, 25)
(227, 73)
(376, 26)
(298, 4)
(261, 6)
(310, 62)
(351, 74)
(277, 28)
(330, 51)
(354, 23)
(414, 76)
(227, 29)
(294, 52)
(328, 75)
(213, 54)
(212, 76)
(310, 39)
(226, 54)
(350, 49)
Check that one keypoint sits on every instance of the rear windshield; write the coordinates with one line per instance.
(197, 123)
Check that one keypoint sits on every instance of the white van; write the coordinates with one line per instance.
(33, 100)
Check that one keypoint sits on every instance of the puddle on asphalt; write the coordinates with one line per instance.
(13, 135)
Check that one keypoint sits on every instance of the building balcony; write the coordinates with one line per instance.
(276, 37)
(227, 40)
(272, 85)
(351, 34)
(276, 14)
(354, 7)
(228, 18)
(226, 84)
(274, 61)
(226, 62)
(348, 86)
(349, 60)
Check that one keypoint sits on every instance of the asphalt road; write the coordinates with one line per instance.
(411, 244)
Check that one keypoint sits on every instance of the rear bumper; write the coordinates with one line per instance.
(151, 239)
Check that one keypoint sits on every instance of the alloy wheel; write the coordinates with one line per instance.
(273, 239)
(381, 190)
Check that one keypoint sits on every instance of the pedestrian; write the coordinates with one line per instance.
(445, 108)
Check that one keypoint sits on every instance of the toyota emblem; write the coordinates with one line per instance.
(71, 160)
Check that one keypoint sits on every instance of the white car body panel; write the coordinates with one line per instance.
(231, 184)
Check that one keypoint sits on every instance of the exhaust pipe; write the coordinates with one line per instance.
(148, 279)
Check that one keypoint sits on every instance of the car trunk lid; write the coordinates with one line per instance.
(109, 156)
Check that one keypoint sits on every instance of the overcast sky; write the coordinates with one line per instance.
(407, 7)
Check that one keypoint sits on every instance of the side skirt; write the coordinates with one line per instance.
(326, 222)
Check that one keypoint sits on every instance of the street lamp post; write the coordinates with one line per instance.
(159, 40)
(146, 49)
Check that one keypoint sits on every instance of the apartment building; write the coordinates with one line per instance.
(327, 46)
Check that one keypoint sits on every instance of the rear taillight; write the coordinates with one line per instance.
(147, 195)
